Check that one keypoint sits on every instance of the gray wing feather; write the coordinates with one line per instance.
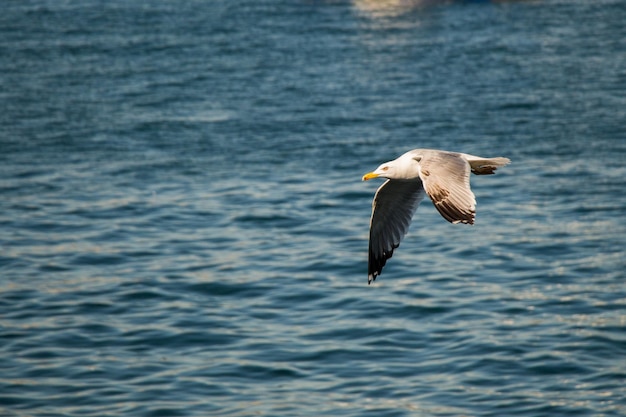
(446, 180)
(394, 204)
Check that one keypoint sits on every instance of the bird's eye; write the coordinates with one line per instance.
(385, 168)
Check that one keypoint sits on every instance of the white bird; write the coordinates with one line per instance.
(443, 175)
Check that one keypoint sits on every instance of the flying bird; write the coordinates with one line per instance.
(443, 175)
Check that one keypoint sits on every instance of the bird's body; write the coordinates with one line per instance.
(443, 175)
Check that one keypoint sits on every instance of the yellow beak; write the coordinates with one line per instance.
(369, 176)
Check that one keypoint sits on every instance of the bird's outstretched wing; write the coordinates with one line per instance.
(446, 180)
(394, 204)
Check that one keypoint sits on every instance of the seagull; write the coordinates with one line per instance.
(443, 175)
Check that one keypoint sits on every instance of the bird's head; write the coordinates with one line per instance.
(403, 168)
(384, 171)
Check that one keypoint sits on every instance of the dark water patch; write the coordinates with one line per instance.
(251, 371)
(225, 289)
(271, 220)
(98, 259)
(547, 365)
(518, 106)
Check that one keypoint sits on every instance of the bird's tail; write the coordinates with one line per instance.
(485, 166)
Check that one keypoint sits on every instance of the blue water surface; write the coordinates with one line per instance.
(183, 225)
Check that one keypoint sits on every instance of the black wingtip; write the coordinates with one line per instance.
(375, 265)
